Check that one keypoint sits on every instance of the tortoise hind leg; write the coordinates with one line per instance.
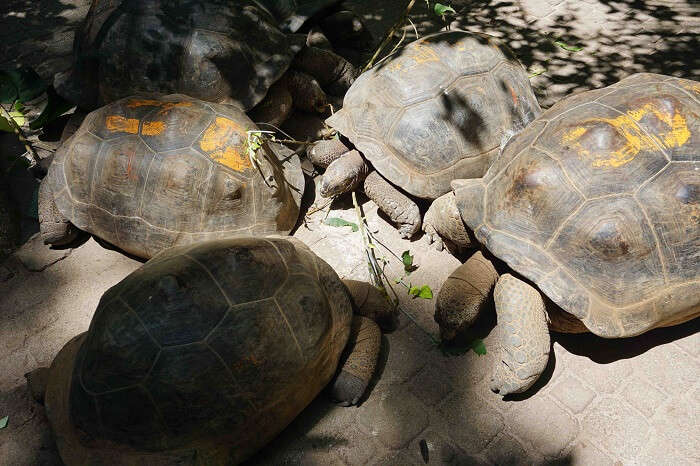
(524, 336)
(55, 228)
(362, 351)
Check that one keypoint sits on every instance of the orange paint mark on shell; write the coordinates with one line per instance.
(224, 141)
(152, 128)
(514, 96)
(118, 123)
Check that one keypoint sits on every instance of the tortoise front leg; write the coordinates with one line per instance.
(399, 207)
(357, 369)
(307, 94)
(463, 295)
(523, 333)
(333, 72)
(443, 223)
(54, 227)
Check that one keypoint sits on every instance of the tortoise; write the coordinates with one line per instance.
(149, 172)
(594, 208)
(436, 111)
(213, 50)
(207, 352)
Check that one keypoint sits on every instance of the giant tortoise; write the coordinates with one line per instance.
(208, 351)
(214, 50)
(435, 111)
(149, 172)
(594, 206)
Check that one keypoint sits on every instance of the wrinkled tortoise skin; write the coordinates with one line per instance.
(147, 173)
(437, 110)
(596, 202)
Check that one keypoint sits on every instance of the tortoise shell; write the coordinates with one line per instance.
(597, 203)
(220, 342)
(437, 110)
(213, 50)
(147, 173)
(293, 14)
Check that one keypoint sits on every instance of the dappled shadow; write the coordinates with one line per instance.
(39, 33)
(617, 38)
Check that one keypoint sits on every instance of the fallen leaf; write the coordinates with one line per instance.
(339, 222)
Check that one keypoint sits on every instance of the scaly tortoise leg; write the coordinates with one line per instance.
(333, 72)
(358, 367)
(362, 350)
(275, 108)
(399, 207)
(463, 295)
(307, 94)
(523, 333)
(54, 227)
(443, 223)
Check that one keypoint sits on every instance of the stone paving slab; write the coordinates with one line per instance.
(599, 402)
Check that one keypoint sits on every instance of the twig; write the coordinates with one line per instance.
(372, 260)
(22, 138)
(389, 35)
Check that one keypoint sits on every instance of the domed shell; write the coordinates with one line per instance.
(227, 340)
(214, 50)
(149, 172)
(597, 203)
(437, 110)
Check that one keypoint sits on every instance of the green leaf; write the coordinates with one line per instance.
(339, 222)
(569, 48)
(18, 117)
(478, 346)
(536, 73)
(423, 292)
(441, 9)
(55, 107)
(3, 422)
(407, 259)
(22, 84)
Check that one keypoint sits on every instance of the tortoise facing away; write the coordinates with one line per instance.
(208, 351)
(147, 173)
(595, 206)
(436, 111)
(214, 50)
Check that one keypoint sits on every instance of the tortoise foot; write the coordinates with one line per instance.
(348, 389)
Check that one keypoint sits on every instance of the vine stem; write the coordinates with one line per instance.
(20, 135)
(389, 35)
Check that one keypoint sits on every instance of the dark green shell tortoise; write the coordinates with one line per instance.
(595, 206)
(435, 111)
(214, 50)
(207, 352)
(149, 172)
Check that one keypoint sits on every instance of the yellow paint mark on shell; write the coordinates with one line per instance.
(215, 142)
(418, 53)
(152, 128)
(165, 106)
(635, 139)
(117, 123)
